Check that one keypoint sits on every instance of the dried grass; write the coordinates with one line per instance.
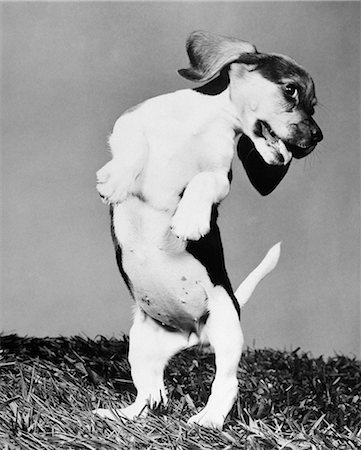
(287, 400)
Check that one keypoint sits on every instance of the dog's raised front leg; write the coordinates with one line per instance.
(223, 330)
(192, 217)
(116, 179)
(150, 348)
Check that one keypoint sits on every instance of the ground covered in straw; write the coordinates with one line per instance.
(287, 400)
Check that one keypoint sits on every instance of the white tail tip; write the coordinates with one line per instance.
(272, 257)
(269, 262)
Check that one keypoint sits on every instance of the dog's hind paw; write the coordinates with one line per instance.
(106, 413)
(130, 412)
(208, 418)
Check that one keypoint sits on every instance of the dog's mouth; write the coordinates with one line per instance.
(264, 130)
(299, 152)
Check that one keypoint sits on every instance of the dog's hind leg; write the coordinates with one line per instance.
(223, 331)
(150, 348)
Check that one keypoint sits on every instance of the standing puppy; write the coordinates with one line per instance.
(171, 167)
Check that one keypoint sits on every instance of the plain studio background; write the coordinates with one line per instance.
(70, 69)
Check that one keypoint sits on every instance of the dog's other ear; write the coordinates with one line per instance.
(209, 53)
(264, 177)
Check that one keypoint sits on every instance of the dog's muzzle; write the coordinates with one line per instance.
(303, 138)
(265, 177)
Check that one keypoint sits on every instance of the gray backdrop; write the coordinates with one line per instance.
(70, 69)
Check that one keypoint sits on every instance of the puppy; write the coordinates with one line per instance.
(170, 169)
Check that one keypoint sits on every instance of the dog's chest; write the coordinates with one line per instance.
(166, 281)
(180, 148)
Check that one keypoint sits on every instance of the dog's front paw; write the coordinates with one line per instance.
(190, 223)
(209, 418)
(113, 184)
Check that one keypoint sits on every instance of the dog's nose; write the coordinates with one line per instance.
(316, 133)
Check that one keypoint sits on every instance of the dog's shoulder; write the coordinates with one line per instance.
(180, 104)
(180, 100)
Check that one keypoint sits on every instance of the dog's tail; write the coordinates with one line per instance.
(269, 262)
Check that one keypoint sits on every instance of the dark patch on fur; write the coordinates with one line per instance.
(263, 177)
(208, 250)
(118, 254)
(215, 86)
(140, 196)
(230, 176)
(282, 70)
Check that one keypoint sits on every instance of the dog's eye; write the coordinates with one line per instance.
(291, 91)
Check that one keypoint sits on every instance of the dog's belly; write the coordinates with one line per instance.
(167, 282)
(169, 289)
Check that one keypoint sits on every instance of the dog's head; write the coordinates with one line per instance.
(273, 95)
(275, 98)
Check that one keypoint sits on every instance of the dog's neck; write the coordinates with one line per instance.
(222, 106)
(219, 91)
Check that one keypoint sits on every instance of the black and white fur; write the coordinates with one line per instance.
(170, 168)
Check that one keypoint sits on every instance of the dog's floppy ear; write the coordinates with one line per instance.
(264, 177)
(252, 58)
(209, 53)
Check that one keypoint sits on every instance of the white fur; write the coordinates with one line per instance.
(192, 218)
(159, 147)
(167, 280)
(269, 262)
(223, 331)
(258, 98)
(175, 152)
(151, 347)
(185, 140)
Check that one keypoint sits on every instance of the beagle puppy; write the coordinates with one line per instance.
(170, 169)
